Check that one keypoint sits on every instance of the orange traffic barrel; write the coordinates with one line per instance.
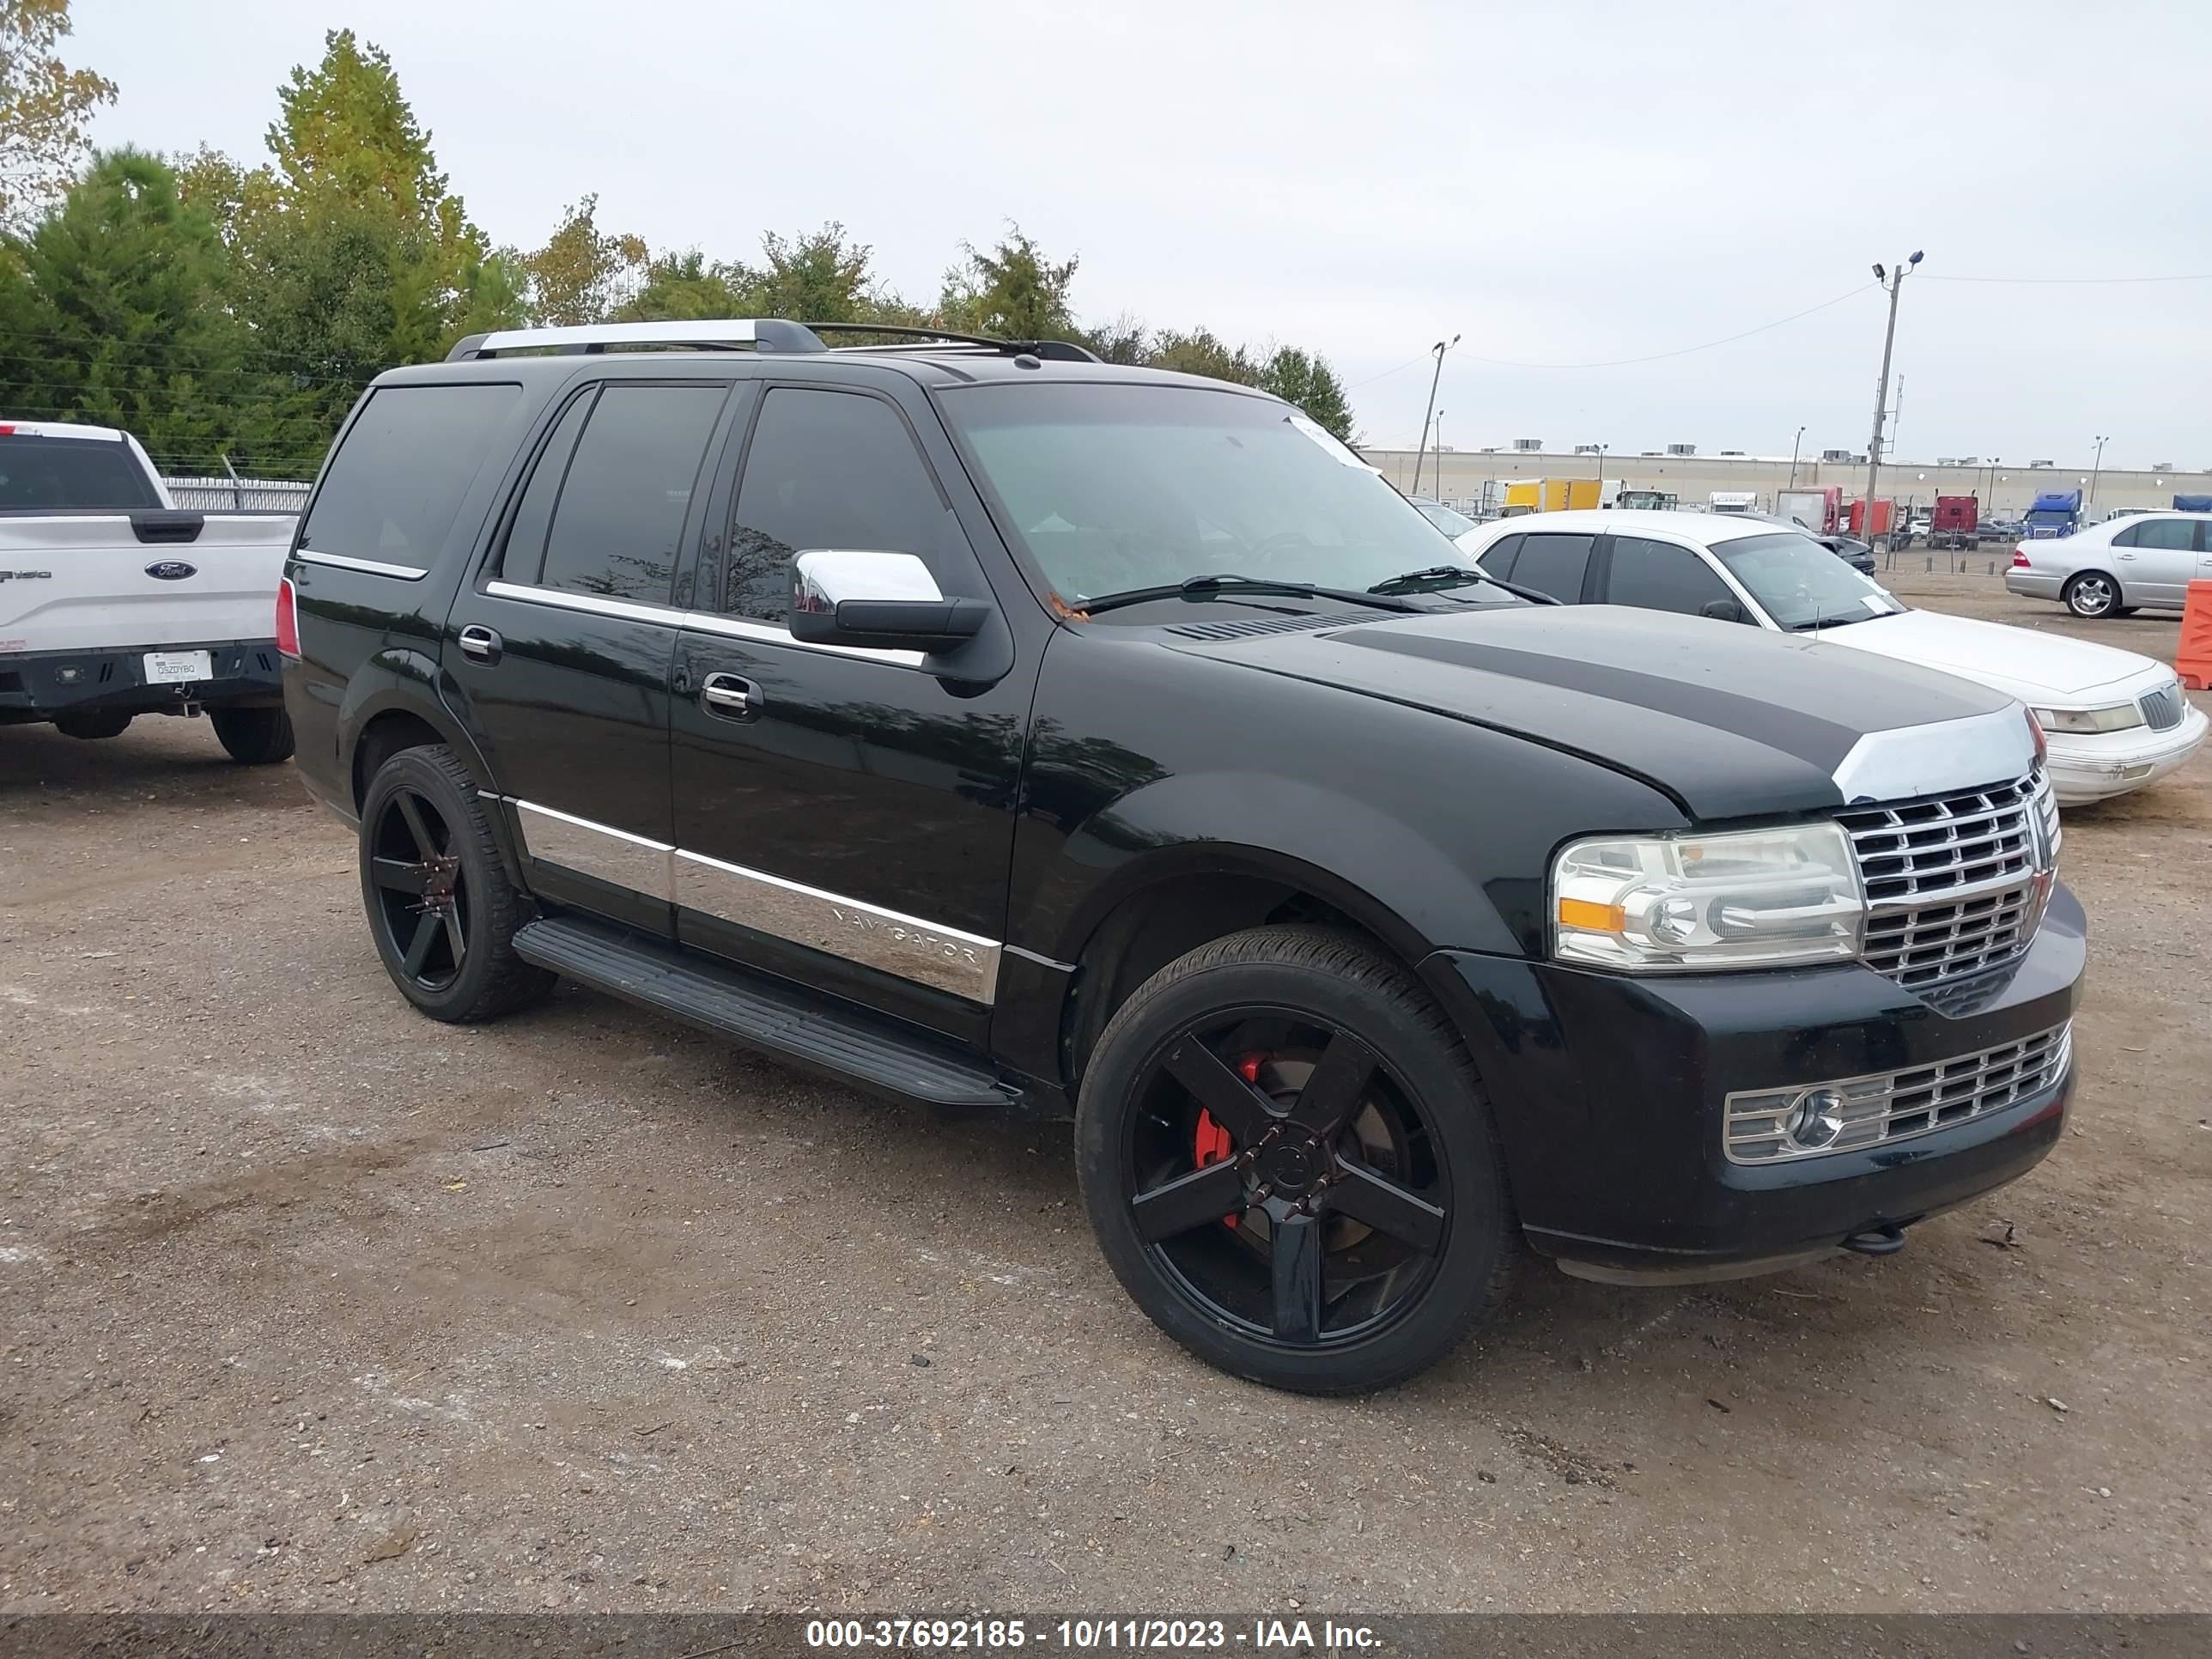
(2192, 658)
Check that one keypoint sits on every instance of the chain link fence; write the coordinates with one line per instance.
(209, 494)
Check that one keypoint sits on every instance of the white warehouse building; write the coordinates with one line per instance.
(1693, 476)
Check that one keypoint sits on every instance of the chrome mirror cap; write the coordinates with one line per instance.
(823, 578)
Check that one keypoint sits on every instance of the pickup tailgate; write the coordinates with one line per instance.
(85, 581)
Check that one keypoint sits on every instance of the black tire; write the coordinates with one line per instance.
(2091, 595)
(440, 908)
(93, 723)
(1414, 1123)
(253, 737)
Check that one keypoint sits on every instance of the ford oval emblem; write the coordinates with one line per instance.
(171, 570)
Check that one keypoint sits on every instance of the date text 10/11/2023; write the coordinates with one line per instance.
(1087, 1635)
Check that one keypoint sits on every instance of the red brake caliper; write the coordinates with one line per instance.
(1212, 1142)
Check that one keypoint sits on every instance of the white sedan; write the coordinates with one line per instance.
(2116, 720)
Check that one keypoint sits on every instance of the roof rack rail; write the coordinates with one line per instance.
(1066, 352)
(727, 333)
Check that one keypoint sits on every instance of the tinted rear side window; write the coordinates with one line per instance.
(1553, 565)
(1498, 560)
(1661, 576)
(71, 475)
(629, 488)
(397, 479)
(2171, 533)
(828, 469)
(525, 556)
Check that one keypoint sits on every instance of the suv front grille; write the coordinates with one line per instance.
(2161, 709)
(1891, 1105)
(1953, 883)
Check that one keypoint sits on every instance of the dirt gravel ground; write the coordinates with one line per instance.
(307, 1302)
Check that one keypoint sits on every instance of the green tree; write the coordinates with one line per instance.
(1201, 352)
(584, 274)
(348, 253)
(46, 108)
(345, 127)
(1124, 340)
(817, 277)
(682, 287)
(1306, 380)
(116, 304)
(1012, 292)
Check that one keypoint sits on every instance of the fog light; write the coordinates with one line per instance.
(1815, 1118)
(69, 676)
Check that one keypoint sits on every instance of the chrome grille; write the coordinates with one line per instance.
(1889, 1106)
(2161, 709)
(1954, 884)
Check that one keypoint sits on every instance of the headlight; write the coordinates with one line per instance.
(2114, 717)
(1754, 898)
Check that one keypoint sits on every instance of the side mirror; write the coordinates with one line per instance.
(1723, 611)
(877, 601)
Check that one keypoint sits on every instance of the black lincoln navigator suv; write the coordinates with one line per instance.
(993, 727)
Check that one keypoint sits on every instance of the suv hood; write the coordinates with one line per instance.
(1730, 721)
(2028, 663)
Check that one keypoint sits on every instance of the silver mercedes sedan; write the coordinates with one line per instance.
(2144, 561)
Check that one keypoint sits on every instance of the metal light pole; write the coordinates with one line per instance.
(1439, 347)
(1440, 454)
(1794, 443)
(1600, 475)
(1895, 281)
(2101, 441)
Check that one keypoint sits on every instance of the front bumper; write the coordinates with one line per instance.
(1608, 1095)
(2096, 768)
(36, 685)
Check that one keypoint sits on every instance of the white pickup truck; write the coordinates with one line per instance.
(114, 604)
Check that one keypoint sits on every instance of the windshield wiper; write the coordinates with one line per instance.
(1818, 624)
(1438, 577)
(1207, 587)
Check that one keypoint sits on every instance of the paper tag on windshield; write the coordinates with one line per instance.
(1338, 450)
(1877, 603)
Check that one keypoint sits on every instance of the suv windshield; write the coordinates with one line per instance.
(1800, 584)
(1115, 487)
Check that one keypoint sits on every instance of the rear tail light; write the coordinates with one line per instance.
(2019, 558)
(288, 620)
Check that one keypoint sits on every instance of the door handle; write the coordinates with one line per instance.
(481, 644)
(2126, 555)
(729, 696)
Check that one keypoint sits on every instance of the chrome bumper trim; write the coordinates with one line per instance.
(1884, 1107)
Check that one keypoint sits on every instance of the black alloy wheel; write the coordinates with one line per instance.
(422, 908)
(1287, 1157)
(440, 904)
(1283, 1182)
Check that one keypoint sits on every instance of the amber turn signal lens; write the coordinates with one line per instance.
(1601, 918)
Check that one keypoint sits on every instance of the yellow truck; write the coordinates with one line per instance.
(1551, 494)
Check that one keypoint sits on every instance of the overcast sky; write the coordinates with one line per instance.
(1561, 184)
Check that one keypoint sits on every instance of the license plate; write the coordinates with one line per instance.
(179, 667)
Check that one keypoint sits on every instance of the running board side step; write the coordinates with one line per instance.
(831, 1038)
